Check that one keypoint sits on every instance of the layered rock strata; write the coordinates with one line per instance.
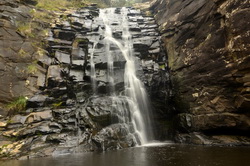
(207, 45)
(69, 114)
(17, 54)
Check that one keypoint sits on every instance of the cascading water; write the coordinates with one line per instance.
(132, 105)
(92, 69)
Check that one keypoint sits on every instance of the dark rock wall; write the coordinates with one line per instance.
(207, 45)
(17, 54)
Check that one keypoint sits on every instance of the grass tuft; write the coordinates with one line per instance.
(32, 68)
(17, 105)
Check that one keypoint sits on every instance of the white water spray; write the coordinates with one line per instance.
(92, 69)
(133, 107)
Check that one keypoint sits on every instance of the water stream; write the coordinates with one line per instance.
(92, 70)
(132, 105)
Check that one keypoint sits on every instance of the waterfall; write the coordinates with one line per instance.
(92, 69)
(132, 106)
(110, 62)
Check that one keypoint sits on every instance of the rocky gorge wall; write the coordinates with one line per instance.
(199, 87)
(207, 45)
(67, 114)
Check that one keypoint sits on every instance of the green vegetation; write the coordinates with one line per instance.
(25, 29)
(57, 5)
(100, 3)
(120, 3)
(22, 53)
(57, 105)
(32, 68)
(17, 105)
(41, 15)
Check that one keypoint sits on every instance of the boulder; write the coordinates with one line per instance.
(37, 101)
(114, 137)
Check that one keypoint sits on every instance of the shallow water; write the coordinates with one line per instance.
(167, 155)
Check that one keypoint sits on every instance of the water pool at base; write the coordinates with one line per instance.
(166, 155)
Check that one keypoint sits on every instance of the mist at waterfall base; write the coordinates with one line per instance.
(168, 155)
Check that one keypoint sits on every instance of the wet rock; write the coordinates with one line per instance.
(208, 84)
(3, 124)
(57, 138)
(39, 128)
(41, 80)
(54, 77)
(37, 101)
(11, 149)
(78, 54)
(183, 122)
(64, 35)
(78, 64)
(77, 75)
(223, 120)
(99, 115)
(58, 92)
(18, 119)
(39, 116)
(70, 102)
(62, 57)
(201, 139)
(66, 117)
(113, 137)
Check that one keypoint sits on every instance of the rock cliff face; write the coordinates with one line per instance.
(72, 112)
(15, 53)
(20, 76)
(207, 45)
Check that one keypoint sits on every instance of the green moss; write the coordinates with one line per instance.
(57, 105)
(25, 28)
(64, 17)
(32, 68)
(4, 146)
(22, 53)
(9, 121)
(18, 105)
(41, 15)
(162, 66)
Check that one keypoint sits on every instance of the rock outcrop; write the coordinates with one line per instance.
(208, 50)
